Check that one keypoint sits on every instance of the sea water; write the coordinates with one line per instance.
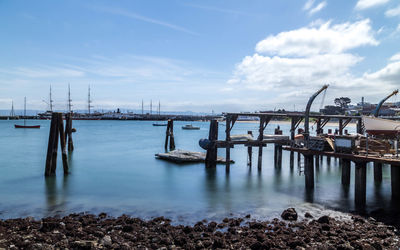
(113, 169)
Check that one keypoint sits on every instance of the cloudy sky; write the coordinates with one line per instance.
(198, 55)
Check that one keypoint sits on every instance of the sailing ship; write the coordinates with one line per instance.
(379, 126)
(25, 126)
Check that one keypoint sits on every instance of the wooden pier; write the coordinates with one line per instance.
(282, 142)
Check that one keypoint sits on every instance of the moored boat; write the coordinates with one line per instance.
(25, 126)
(159, 124)
(190, 127)
(379, 126)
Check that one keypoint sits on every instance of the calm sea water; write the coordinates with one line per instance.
(113, 169)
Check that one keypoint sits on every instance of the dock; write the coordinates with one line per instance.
(287, 143)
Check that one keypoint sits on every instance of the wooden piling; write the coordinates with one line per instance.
(291, 162)
(346, 168)
(378, 172)
(309, 171)
(55, 147)
(212, 151)
(360, 184)
(68, 132)
(62, 140)
(228, 147)
(249, 151)
(395, 181)
(169, 134)
(52, 136)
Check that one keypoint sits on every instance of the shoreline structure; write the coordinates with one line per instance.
(88, 231)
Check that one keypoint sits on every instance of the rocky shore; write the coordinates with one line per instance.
(87, 231)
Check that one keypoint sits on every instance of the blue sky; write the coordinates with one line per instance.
(197, 55)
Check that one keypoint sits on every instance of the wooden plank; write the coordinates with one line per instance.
(352, 157)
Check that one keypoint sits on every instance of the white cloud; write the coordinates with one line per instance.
(366, 4)
(318, 8)
(395, 57)
(318, 40)
(306, 58)
(308, 4)
(393, 12)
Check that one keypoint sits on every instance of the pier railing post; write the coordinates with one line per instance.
(212, 151)
(360, 184)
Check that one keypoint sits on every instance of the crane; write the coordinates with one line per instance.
(307, 114)
(379, 106)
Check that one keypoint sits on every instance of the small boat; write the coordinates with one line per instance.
(159, 124)
(25, 126)
(378, 126)
(190, 127)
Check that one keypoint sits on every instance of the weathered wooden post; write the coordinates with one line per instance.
(68, 131)
(249, 151)
(316, 162)
(346, 168)
(53, 135)
(169, 134)
(309, 171)
(378, 172)
(228, 146)
(56, 130)
(260, 139)
(395, 181)
(360, 184)
(212, 151)
(278, 150)
(340, 126)
(62, 140)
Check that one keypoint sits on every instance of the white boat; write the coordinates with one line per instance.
(190, 127)
(379, 126)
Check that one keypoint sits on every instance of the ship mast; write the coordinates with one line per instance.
(25, 111)
(50, 101)
(12, 113)
(159, 107)
(151, 107)
(89, 101)
(69, 99)
(142, 107)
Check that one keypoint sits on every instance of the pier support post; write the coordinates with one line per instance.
(346, 168)
(395, 181)
(360, 184)
(68, 131)
(316, 162)
(62, 141)
(309, 171)
(170, 135)
(228, 146)
(328, 160)
(56, 131)
(291, 160)
(211, 156)
(378, 172)
(249, 152)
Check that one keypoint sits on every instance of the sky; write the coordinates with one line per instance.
(201, 56)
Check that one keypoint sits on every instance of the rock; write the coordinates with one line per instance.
(289, 214)
(106, 241)
(308, 215)
(324, 219)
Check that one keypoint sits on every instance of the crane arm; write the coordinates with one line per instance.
(379, 106)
